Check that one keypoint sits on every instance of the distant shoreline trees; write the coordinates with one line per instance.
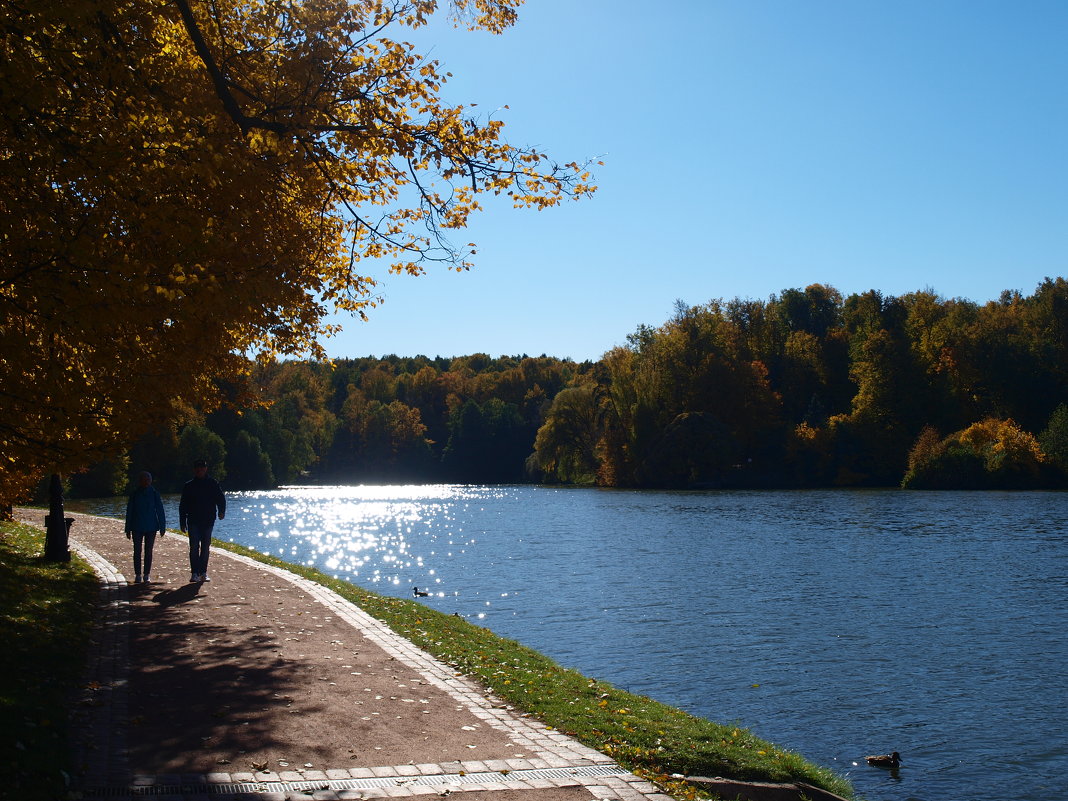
(806, 389)
(811, 389)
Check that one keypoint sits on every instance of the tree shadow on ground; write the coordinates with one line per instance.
(207, 696)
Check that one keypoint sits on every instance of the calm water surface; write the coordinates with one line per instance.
(836, 624)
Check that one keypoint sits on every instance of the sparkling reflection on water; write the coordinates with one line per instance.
(358, 533)
(833, 623)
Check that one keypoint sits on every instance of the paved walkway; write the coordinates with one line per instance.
(263, 685)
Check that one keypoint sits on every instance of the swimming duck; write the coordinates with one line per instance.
(418, 593)
(885, 760)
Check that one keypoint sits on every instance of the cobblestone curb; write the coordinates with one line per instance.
(99, 713)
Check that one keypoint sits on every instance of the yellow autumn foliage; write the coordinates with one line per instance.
(1001, 442)
(185, 184)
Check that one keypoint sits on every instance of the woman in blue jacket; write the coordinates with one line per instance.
(144, 517)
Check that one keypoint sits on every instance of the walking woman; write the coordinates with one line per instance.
(144, 517)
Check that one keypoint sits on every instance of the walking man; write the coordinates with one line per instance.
(202, 498)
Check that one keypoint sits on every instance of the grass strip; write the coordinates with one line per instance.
(46, 615)
(654, 740)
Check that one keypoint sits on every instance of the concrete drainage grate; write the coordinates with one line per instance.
(311, 786)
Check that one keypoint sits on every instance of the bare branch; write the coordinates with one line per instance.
(217, 78)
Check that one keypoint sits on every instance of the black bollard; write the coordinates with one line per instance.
(57, 525)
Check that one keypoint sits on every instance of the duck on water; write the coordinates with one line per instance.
(885, 760)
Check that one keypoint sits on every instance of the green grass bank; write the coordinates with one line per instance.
(650, 738)
(46, 616)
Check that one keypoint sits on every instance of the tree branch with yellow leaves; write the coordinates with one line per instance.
(184, 185)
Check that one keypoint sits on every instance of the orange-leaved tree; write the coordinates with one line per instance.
(184, 183)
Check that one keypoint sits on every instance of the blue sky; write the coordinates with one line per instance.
(750, 146)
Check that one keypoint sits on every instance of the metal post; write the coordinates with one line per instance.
(57, 525)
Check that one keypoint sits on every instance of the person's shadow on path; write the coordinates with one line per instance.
(182, 595)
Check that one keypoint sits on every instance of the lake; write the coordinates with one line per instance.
(833, 623)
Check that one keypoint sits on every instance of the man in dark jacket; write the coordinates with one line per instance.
(202, 498)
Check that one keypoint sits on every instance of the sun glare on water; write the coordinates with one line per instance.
(381, 534)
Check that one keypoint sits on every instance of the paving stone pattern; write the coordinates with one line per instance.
(261, 684)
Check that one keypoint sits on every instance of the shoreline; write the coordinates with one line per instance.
(619, 724)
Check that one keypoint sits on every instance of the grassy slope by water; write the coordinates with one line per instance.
(46, 617)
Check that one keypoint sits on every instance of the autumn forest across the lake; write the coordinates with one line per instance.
(804, 389)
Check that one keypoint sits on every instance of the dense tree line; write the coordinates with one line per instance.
(467, 420)
(810, 389)
(805, 389)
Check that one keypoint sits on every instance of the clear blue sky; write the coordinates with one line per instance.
(750, 146)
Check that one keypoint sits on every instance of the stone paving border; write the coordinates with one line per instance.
(101, 712)
(605, 782)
